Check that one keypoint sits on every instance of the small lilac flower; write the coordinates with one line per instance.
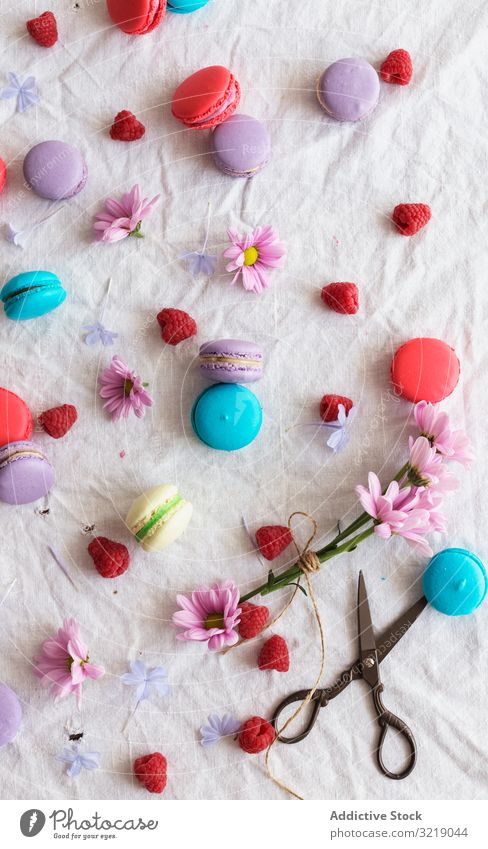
(340, 437)
(77, 761)
(219, 727)
(146, 680)
(19, 238)
(200, 262)
(98, 333)
(25, 92)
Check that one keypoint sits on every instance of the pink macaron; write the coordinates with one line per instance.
(206, 98)
(425, 369)
(136, 17)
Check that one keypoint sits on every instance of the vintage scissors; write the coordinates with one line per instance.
(371, 653)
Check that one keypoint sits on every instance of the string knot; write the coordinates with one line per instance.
(309, 562)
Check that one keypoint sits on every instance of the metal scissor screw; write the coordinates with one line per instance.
(369, 662)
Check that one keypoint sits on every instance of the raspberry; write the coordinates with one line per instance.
(397, 68)
(43, 29)
(409, 218)
(176, 325)
(58, 420)
(272, 540)
(329, 407)
(274, 655)
(126, 127)
(341, 297)
(151, 772)
(254, 618)
(111, 558)
(256, 735)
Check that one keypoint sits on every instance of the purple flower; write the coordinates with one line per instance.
(77, 761)
(210, 614)
(219, 727)
(252, 255)
(25, 92)
(339, 438)
(435, 426)
(123, 391)
(123, 218)
(199, 262)
(98, 333)
(146, 680)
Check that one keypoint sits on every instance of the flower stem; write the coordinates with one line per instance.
(294, 572)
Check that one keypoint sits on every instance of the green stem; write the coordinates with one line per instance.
(326, 553)
(295, 571)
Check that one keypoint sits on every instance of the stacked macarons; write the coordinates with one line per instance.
(25, 472)
(228, 416)
(207, 100)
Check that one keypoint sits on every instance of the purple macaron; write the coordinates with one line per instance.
(55, 170)
(231, 361)
(25, 473)
(241, 146)
(349, 89)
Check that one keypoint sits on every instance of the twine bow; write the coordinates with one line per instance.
(309, 563)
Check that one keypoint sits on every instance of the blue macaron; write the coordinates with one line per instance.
(32, 294)
(227, 416)
(182, 7)
(455, 582)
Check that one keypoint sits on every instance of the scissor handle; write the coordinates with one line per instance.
(316, 702)
(386, 720)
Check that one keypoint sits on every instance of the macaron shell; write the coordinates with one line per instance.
(15, 418)
(136, 17)
(10, 714)
(169, 531)
(200, 97)
(183, 7)
(147, 503)
(241, 146)
(226, 416)
(3, 174)
(232, 371)
(25, 479)
(55, 170)
(349, 89)
(455, 582)
(47, 295)
(425, 369)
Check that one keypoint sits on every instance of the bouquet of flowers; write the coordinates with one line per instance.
(410, 506)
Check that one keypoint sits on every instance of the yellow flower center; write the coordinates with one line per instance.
(251, 256)
(128, 384)
(214, 620)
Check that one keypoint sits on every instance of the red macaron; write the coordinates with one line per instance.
(136, 17)
(206, 98)
(15, 418)
(3, 174)
(425, 369)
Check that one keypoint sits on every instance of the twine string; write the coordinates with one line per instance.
(309, 564)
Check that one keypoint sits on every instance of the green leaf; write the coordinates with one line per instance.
(293, 584)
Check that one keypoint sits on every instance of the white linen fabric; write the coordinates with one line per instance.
(329, 191)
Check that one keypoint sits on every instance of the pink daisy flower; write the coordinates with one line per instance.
(425, 467)
(120, 219)
(210, 614)
(435, 426)
(63, 664)
(123, 391)
(252, 255)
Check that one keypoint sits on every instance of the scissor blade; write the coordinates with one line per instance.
(367, 641)
(392, 636)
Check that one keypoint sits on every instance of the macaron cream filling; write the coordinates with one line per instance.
(228, 101)
(17, 455)
(18, 292)
(224, 358)
(157, 517)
